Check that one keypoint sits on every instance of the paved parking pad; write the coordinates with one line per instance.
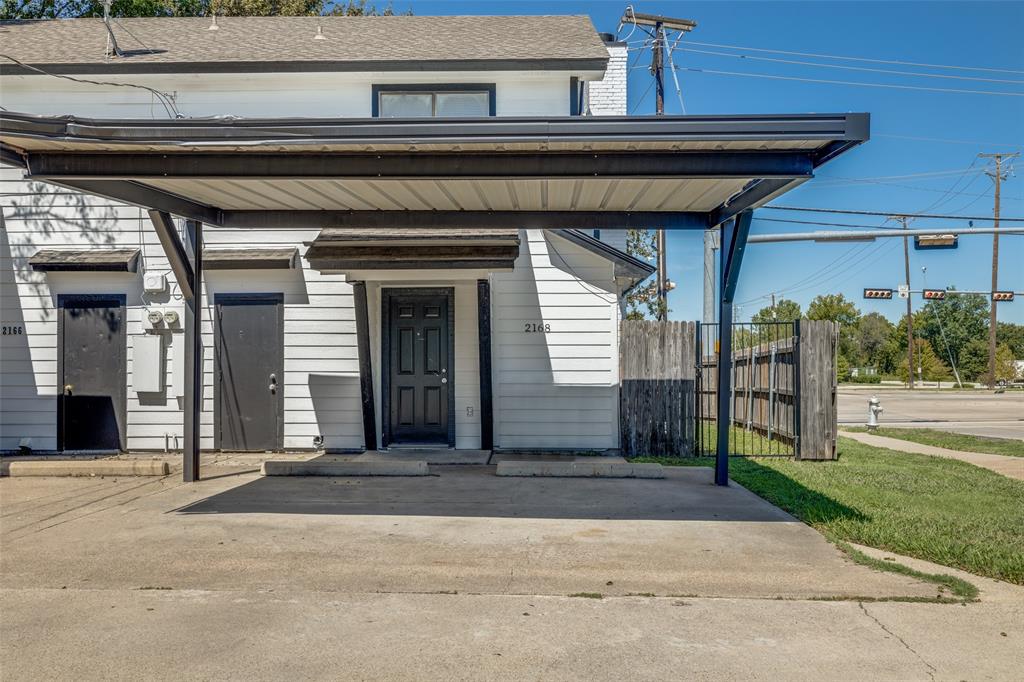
(464, 531)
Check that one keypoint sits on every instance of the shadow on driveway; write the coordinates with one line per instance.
(686, 494)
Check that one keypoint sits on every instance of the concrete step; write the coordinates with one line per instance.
(579, 469)
(345, 468)
(87, 467)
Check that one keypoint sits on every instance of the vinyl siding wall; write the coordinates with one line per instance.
(551, 390)
(321, 381)
(556, 389)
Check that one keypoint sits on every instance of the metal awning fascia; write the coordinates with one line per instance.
(190, 134)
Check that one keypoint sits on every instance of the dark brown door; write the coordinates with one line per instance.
(250, 372)
(93, 375)
(418, 352)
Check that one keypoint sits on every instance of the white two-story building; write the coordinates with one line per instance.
(411, 229)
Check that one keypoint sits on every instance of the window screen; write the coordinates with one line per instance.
(462, 104)
(406, 104)
(417, 102)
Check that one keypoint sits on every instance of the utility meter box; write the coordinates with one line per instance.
(154, 282)
(148, 363)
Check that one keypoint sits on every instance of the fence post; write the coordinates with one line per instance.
(816, 412)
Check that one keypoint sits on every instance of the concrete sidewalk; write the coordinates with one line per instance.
(255, 635)
(1012, 467)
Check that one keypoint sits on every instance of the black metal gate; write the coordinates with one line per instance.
(764, 409)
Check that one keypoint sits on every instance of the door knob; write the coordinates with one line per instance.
(273, 384)
(68, 388)
(444, 380)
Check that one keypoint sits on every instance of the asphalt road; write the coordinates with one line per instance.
(977, 413)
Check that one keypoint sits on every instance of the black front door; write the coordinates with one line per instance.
(250, 372)
(418, 353)
(93, 375)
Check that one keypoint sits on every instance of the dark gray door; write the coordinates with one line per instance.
(93, 376)
(250, 372)
(418, 350)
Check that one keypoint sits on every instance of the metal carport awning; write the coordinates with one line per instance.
(669, 172)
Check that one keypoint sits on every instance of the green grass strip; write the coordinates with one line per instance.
(951, 441)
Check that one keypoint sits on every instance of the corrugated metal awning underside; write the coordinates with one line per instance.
(383, 249)
(252, 172)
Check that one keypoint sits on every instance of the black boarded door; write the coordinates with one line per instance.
(250, 372)
(93, 383)
(418, 350)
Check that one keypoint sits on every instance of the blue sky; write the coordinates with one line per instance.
(976, 34)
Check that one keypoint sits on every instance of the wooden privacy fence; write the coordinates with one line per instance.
(783, 397)
(658, 369)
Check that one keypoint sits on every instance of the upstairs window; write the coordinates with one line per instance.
(433, 101)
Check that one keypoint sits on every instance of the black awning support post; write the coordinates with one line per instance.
(174, 250)
(483, 316)
(193, 348)
(734, 242)
(365, 366)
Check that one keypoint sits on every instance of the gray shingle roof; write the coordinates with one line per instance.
(350, 43)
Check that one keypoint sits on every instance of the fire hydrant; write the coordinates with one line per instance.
(874, 409)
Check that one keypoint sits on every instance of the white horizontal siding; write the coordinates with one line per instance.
(556, 389)
(321, 379)
(262, 95)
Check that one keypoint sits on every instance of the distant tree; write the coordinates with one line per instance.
(931, 366)
(833, 307)
(842, 368)
(1013, 336)
(642, 302)
(871, 338)
(1006, 368)
(951, 323)
(785, 310)
(973, 362)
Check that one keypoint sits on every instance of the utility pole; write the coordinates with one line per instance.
(659, 24)
(910, 312)
(658, 71)
(992, 319)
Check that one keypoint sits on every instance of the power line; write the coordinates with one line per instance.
(886, 214)
(946, 140)
(861, 59)
(799, 62)
(868, 181)
(961, 171)
(827, 81)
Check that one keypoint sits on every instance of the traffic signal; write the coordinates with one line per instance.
(1002, 295)
(935, 241)
(878, 293)
(934, 294)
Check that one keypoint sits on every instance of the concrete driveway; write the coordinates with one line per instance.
(977, 413)
(459, 576)
(462, 531)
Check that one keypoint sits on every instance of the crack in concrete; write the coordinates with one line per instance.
(930, 668)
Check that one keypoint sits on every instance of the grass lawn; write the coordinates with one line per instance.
(952, 441)
(744, 442)
(941, 510)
